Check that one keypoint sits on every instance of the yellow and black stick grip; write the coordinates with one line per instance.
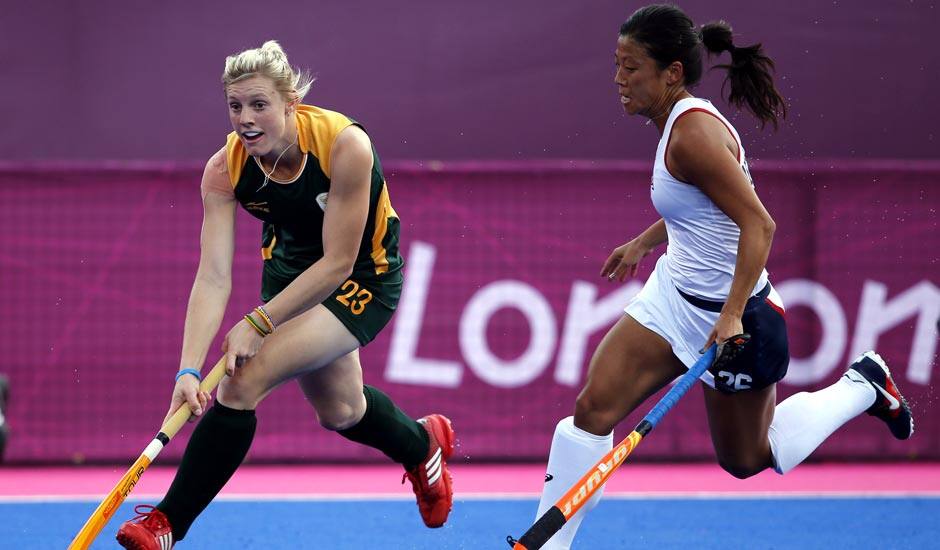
(113, 501)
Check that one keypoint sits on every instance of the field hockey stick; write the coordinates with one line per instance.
(113, 501)
(566, 507)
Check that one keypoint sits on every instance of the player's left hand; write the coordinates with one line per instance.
(726, 326)
(241, 344)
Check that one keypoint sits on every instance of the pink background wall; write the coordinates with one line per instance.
(501, 311)
(433, 79)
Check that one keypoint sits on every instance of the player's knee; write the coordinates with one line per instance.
(592, 417)
(742, 469)
(338, 416)
(238, 392)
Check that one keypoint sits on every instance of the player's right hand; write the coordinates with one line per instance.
(624, 260)
(187, 393)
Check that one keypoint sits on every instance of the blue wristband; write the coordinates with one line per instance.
(193, 372)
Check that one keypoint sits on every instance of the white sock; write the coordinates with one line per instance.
(804, 420)
(574, 452)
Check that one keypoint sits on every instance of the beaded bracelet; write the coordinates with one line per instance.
(254, 324)
(266, 318)
(193, 372)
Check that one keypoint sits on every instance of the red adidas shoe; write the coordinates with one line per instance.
(430, 480)
(150, 530)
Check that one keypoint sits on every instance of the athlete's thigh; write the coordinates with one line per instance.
(631, 363)
(739, 423)
(304, 344)
(739, 419)
(335, 387)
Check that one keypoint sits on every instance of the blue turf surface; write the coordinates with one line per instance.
(830, 523)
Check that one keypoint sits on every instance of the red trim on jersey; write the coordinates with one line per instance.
(692, 110)
(777, 308)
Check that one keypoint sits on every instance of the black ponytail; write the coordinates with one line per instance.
(749, 73)
(669, 35)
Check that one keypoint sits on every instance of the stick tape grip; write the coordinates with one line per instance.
(543, 529)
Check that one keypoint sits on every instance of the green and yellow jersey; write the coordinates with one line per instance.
(292, 212)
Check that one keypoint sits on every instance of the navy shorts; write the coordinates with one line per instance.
(765, 358)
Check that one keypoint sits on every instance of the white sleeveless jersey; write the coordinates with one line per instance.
(703, 241)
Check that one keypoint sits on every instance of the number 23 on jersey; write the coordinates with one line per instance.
(354, 297)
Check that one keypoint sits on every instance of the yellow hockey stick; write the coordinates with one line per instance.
(113, 501)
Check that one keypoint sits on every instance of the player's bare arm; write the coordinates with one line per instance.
(703, 151)
(346, 214)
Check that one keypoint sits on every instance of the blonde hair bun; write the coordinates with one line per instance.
(269, 60)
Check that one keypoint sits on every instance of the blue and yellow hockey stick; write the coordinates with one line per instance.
(566, 507)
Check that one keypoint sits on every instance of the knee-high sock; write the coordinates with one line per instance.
(804, 420)
(573, 452)
(386, 428)
(217, 447)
